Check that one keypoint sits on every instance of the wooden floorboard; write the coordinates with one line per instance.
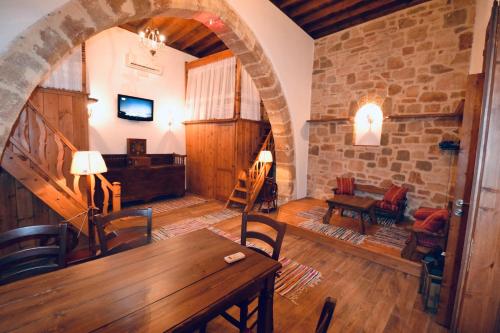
(370, 297)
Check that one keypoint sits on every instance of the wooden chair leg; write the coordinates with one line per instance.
(243, 317)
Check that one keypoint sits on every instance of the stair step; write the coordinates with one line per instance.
(238, 200)
(241, 189)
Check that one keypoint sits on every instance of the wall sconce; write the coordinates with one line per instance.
(368, 125)
(90, 105)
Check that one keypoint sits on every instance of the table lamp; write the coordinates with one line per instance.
(89, 163)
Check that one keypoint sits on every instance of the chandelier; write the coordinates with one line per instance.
(152, 40)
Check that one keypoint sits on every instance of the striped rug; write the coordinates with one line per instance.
(390, 236)
(165, 206)
(316, 213)
(192, 224)
(330, 230)
(293, 278)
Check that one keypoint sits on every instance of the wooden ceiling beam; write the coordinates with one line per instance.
(335, 9)
(211, 48)
(349, 13)
(347, 22)
(309, 7)
(188, 27)
(198, 34)
(204, 42)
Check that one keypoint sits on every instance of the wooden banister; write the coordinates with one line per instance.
(50, 153)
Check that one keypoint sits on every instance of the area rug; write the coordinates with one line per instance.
(192, 224)
(330, 230)
(316, 214)
(165, 206)
(292, 279)
(390, 236)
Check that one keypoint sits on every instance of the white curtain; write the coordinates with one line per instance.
(211, 90)
(68, 72)
(250, 98)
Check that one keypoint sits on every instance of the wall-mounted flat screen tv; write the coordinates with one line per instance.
(135, 108)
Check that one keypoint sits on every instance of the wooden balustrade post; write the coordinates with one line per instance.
(117, 201)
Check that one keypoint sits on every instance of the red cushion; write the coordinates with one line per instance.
(345, 186)
(395, 194)
(423, 212)
(427, 241)
(386, 205)
(433, 222)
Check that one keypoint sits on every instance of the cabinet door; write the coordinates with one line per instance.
(225, 154)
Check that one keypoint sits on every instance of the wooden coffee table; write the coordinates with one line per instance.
(354, 203)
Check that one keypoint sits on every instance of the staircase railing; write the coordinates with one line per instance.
(51, 152)
(258, 172)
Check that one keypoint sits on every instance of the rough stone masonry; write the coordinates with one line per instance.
(416, 61)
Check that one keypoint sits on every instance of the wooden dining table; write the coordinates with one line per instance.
(173, 285)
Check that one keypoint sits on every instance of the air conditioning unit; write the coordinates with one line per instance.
(143, 63)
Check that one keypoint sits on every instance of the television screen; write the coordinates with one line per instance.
(135, 108)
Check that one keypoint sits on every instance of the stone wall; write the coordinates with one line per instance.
(415, 61)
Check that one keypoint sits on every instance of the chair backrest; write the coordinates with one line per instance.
(275, 244)
(102, 221)
(326, 315)
(36, 258)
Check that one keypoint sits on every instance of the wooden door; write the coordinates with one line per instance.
(225, 156)
(478, 297)
(464, 175)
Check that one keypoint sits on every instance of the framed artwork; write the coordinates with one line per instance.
(136, 147)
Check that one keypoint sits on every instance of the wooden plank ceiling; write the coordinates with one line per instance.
(185, 35)
(323, 17)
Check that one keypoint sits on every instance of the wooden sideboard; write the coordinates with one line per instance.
(165, 175)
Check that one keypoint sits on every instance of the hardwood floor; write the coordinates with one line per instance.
(370, 297)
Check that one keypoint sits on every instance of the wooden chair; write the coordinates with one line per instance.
(422, 242)
(275, 245)
(37, 258)
(326, 315)
(126, 238)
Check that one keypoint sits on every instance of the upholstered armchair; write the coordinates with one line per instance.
(429, 232)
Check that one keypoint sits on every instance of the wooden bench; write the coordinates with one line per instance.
(372, 189)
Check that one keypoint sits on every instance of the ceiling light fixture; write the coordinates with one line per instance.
(152, 40)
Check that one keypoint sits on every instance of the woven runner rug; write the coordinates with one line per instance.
(390, 236)
(293, 278)
(165, 206)
(316, 213)
(192, 224)
(330, 230)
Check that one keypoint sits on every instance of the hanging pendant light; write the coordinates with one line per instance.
(152, 40)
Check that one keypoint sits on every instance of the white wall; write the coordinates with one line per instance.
(291, 51)
(289, 48)
(108, 76)
(483, 12)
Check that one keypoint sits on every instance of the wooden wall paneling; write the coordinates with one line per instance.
(8, 208)
(465, 173)
(479, 293)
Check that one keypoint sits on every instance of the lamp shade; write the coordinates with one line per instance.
(265, 156)
(87, 163)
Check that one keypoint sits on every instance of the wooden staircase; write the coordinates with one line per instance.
(250, 182)
(39, 157)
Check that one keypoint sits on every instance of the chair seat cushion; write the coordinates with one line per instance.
(386, 205)
(423, 212)
(345, 185)
(395, 194)
(433, 222)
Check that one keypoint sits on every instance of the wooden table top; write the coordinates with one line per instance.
(155, 288)
(352, 201)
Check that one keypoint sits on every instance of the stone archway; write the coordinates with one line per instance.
(33, 53)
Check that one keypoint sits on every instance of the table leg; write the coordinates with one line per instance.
(361, 222)
(265, 315)
(328, 215)
(373, 218)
